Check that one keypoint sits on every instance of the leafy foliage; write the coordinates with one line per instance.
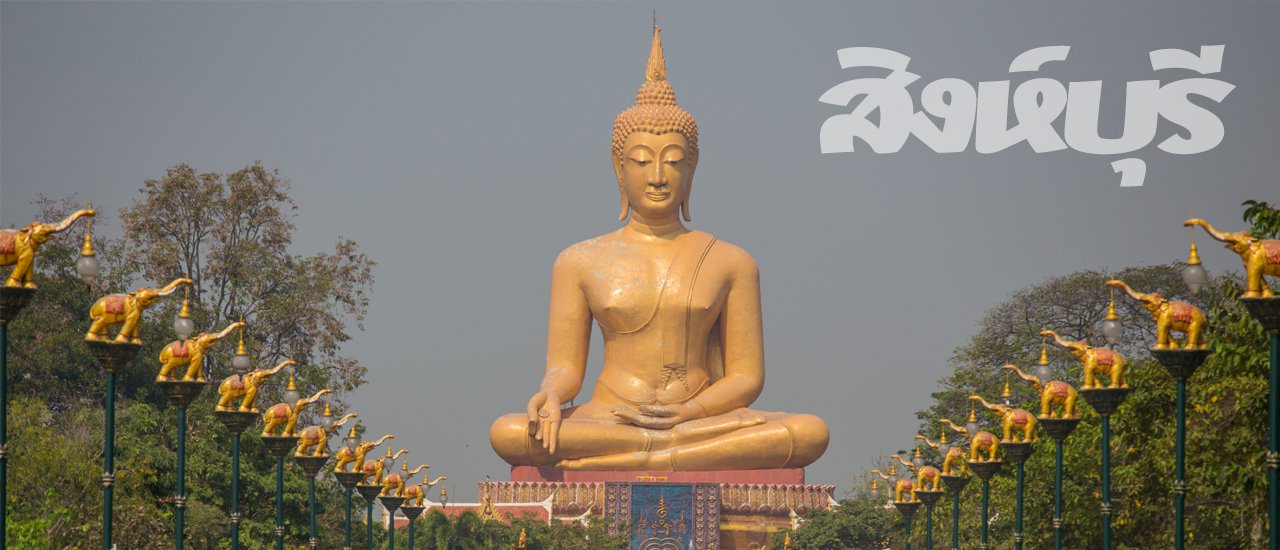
(1226, 422)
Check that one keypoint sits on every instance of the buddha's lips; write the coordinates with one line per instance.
(657, 197)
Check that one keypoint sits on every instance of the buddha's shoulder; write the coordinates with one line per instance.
(734, 257)
(589, 251)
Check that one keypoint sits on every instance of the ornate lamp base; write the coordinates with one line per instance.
(985, 469)
(1181, 363)
(907, 509)
(929, 498)
(1105, 400)
(181, 392)
(311, 464)
(279, 445)
(1266, 311)
(955, 484)
(111, 354)
(412, 512)
(369, 492)
(12, 300)
(1059, 428)
(391, 503)
(1018, 452)
(349, 480)
(236, 421)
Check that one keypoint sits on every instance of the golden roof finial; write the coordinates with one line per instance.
(656, 71)
(240, 346)
(1193, 257)
(1111, 308)
(917, 453)
(404, 466)
(186, 304)
(292, 385)
(87, 249)
(1006, 394)
(327, 410)
(352, 432)
(973, 415)
(943, 438)
(1044, 349)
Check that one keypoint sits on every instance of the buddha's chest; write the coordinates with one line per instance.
(634, 291)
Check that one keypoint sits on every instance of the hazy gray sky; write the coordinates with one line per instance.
(463, 145)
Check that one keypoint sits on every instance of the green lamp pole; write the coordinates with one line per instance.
(955, 484)
(370, 493)
(311, 465)
(411, 512)
(907, 509)
(1018, 453)
(1105, 401)
(1267, 312)
(348, 480)
(929, 498)
(1181, 364)
(1058, 429)
(279, 446)
(12, 301)
(113, 356)
(984, 469)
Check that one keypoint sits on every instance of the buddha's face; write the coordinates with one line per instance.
(655, 173)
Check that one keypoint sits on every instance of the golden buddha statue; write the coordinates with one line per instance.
(680, 315)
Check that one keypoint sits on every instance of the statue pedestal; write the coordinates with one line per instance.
(752, 504)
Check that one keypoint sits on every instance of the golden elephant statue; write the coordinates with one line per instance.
(415, 494)
(374, 468)
(286, 415)
(1012, 419)
(114, 309)
(190, 353)
(1094, 361)
(983, 443)
(246, 385)
(393, 483)
(953, 463)
(317, 438)
(1170, 316)
(347, 456)
(925, 475)
(902, 487)
(1260, 257)
(18, 247)
(1054, 392)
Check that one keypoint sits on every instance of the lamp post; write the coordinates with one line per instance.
(953, 478)
(285, 416)
(1058, 429)
(16, 292)
(369, 493)
(1265, 307)
(243, 385)
(391, 502)
(181, 392)
(279, 447)
(348, 480)
(903, 496)
(113, 354)
(352, 455)
(1181, 363)
(926, 476)
(1104, 399)
(984, 469)
(1017, 451)
(312, 453)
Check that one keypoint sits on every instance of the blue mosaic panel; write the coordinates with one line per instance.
(667, 516)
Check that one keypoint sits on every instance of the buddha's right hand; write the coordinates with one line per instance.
(544, 419)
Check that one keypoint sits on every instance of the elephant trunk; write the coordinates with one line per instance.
(418, 469)
(1146, 298)
(948, 423)
(283, 364)
(985, 404)
(1059, 341)
(65, 224)
(382, 439)
(342, 421)
(172, 287)
(1035, 380)
(228, 330)
(304, 402)
(1211, 230)
(931, 444)
(398, 453)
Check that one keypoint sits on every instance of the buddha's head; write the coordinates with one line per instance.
(655, 147)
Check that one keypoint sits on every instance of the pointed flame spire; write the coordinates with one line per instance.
(1044, 350)
(240, 350)
(1111, 308)
(1193, 256)
(186, 303)
(657, 69)
(87, 249)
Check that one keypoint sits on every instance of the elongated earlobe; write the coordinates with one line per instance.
(626, 206)
(684, 210)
